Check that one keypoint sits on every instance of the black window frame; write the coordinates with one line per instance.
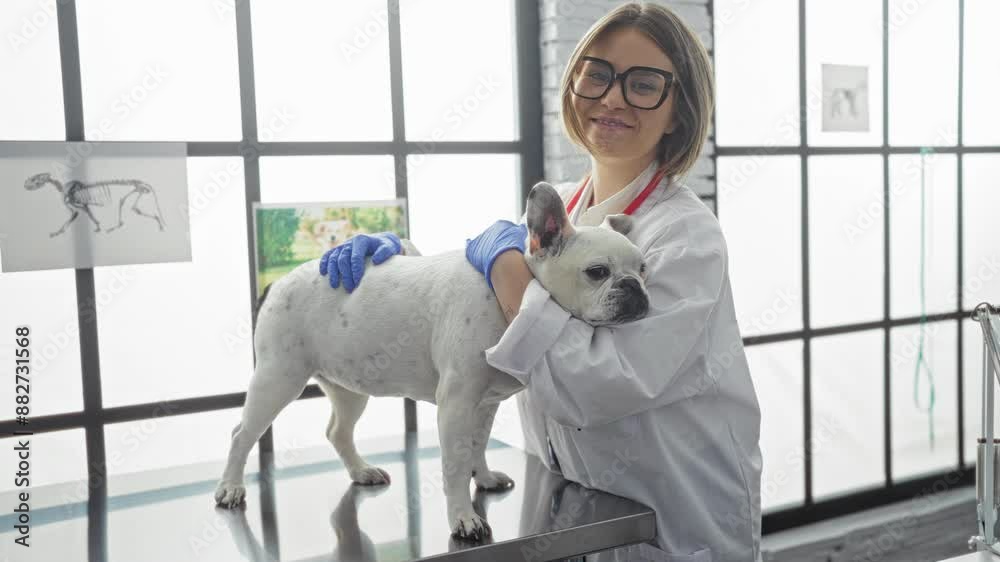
(892, 490)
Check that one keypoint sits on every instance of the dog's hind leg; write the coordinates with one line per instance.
(485, 478)
(272, 387)
(347, 409)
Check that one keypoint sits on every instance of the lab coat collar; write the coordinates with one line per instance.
(617, 203)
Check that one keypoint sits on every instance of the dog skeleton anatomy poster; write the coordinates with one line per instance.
(82, 205)
(288, 234)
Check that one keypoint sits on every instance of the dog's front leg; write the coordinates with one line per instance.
(456, 419)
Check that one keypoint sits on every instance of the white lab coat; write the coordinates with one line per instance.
(661, 410)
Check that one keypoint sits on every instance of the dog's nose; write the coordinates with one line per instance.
(630, 284)
(633, 303)
(638, 305)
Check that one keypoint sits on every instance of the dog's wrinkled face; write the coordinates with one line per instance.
(595, 273)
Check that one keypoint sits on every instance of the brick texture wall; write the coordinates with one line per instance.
(563, 23)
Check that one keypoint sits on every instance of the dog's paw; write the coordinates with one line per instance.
(370, 475)
(471, 527)
(494, 480)
(230, 495)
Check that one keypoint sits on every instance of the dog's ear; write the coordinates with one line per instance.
(548, 223)
(620, 223)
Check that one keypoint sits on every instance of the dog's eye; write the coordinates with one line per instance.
(597, 272)
(642, 270)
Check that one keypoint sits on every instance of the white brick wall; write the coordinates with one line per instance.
(563, 23)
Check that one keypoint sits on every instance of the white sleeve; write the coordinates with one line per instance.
(587, 375)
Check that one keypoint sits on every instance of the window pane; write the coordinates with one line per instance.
(177, 330)
(455, 94)
(825, 25)
(940, 234)
(981, 231)
(159, 445)
(58, 501)
(427, 416)
(31, 104)
(302, 425)
(322, 70)
(767, 284)
(981, 114)
(455, 197)
(758, 103)
(846, 211)
(315, 179)
(972, 393)
(848, 450)
(777, 377)
(60, 540)
(57, 457)
(45, 301)
(159, 71)
(923, 73)
(912, 452)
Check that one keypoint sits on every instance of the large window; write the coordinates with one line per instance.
(296, 101)
(857, 252)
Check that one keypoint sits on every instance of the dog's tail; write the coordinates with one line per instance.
(260, 303)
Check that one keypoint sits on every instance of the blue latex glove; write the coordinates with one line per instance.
(346, 262)
(483, 250)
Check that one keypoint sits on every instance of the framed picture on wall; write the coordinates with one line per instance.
(845, 98)
(288, 235)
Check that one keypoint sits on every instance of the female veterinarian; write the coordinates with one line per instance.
(665, 403)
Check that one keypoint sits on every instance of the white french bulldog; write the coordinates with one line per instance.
(418, 327)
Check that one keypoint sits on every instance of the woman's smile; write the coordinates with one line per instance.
(605, 130)
(610, 123)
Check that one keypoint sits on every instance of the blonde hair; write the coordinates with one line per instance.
(693, 86)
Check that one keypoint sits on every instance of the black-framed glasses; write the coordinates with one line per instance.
(643, 87)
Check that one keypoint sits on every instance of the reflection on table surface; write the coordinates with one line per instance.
(305, 508)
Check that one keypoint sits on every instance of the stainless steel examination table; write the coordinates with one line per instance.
(304, 508)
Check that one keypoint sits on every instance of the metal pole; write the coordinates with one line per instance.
(988, 505)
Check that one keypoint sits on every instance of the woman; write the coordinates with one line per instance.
(660, 410)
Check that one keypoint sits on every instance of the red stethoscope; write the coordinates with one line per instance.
(635, 202)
